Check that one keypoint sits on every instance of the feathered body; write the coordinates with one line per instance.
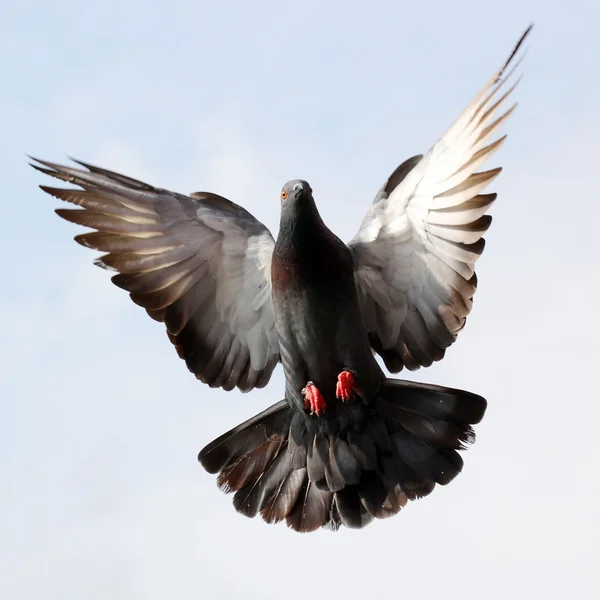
(315, 303)
(347, 444)
(362, 458)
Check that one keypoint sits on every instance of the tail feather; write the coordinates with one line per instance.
(298, 443)
(394, 470)
(363, 449)
(341, 456)
(341, 468)
(396, 500)
(235, 444)
(282, 503)
(334, 521)
(279, 464)
(437, 433)
(375, 497)
(312, 510)
(441, 465)
(246, 469)
(353, 512)
(316, 458)
(250, 499)
(435, 401)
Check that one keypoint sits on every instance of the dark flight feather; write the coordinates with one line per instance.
(281, 468)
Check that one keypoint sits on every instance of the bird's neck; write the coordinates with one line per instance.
(302, 229)
(307, 252)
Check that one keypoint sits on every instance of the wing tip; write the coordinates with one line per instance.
(514, 52)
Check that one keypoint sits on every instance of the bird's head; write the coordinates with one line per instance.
(297, 205)
(295, 191)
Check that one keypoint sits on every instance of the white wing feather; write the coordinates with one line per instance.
(416, 249)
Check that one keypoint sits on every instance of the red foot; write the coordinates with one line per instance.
(346, 384)
(313, 399)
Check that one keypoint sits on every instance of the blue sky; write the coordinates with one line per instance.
(100, 422)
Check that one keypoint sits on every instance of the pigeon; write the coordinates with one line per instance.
(347, 444)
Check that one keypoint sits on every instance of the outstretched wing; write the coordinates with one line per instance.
(201, 264)
(416, 249)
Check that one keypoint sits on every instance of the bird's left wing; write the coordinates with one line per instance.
(201, 264)
(416, 249)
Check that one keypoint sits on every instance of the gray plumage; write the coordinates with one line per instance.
(347, 444)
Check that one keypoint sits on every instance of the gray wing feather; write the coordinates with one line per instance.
(200, 263)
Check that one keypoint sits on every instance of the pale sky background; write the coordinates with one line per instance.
(100, 422)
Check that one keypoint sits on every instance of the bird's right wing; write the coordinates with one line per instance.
(201, 264)
(416, 249)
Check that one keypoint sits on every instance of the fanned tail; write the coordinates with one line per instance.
(279, 465)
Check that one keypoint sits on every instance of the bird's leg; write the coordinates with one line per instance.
(346, 384)
(313, 399)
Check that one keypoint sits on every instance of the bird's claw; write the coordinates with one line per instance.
(313, 399)
(346, 384)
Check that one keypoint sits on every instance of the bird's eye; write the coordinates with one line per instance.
(283, 194)
(310, 190)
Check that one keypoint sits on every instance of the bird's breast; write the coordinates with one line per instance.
(310, 262)
(313, 291)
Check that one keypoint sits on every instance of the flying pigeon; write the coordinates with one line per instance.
(347, 444)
